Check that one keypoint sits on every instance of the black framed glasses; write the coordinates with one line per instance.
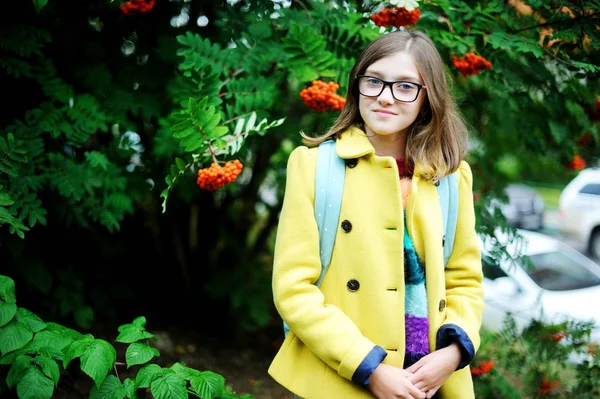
(402, 90)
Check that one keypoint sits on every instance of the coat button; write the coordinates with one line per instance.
(353, 285)
(351, 163)
(346, 226)
(442, 305)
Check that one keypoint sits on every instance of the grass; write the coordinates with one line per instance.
(550, 194)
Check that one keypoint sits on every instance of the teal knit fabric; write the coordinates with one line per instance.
(416, 320)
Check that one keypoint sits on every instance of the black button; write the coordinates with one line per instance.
(351, 163)
(443, 241)
(442, 305)
(437, 183)
(346, 226)
(353, 285)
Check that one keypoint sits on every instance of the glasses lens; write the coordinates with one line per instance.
(405, 91)
(369, 86)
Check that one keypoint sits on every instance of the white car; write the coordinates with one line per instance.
(579, 210)
(562, 284)
(525, 207)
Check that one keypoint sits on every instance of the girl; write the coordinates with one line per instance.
(389, 320)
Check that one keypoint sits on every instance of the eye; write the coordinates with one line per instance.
(373, 81)
(405, 86)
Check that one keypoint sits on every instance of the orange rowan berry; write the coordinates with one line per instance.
(397, 17)
(577, 163)
(485, 367)
(321, 96)
(216, 176)
(471, 64)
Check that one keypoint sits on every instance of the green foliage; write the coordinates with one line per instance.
(37, 353)
(539, 360)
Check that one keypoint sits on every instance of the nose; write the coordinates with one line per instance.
(386, 96)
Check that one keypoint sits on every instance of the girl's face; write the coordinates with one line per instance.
(384, 115)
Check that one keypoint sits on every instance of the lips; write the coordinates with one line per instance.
(384, 112)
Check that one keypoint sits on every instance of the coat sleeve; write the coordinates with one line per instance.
(463, 276)
(323, 328)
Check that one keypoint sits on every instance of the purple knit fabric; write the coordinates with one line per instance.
(417, 335)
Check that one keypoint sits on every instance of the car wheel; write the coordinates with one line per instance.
(595, 244)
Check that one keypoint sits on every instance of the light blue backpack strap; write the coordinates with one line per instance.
(329, 187)
(448, 195)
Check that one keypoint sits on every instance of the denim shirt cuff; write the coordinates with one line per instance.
(368, 365)
(450, 333)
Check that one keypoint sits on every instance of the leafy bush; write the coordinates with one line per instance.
(34, 355)
(542, 360)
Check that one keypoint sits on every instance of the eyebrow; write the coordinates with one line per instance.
(398, 78)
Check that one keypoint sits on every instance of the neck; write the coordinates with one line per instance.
(393, 145)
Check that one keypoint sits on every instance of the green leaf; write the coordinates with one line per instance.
(7, 289)
(49, 367)
(35, 385)
(111, 388)
(305, 73)
(39, 4)
(139, 353)
(208, 384)
(66, 333)
(4, 145)
(139, 322)
(219, 131)
(84, 316)
(170, 386)
(18, 369)
(130, 389)
(131, 333)
(180, 163)
(98, 360)
(184, 372)
(14, 336)
(76, 349)
(7, 312)
(147, 374)
(260, 30)
(29, 319)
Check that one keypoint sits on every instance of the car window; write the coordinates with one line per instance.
(490, 269)
(593, 189)
(556, 271)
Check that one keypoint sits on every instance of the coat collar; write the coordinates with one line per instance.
(354, 143)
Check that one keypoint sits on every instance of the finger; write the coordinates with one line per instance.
(431, 392)
(417, 393)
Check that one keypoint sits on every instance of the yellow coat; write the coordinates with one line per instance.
(333, 328)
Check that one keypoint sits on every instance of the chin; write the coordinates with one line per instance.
(386, 130)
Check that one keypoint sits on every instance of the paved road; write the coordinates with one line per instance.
(552, 227)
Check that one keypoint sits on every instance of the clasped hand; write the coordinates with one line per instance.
(419, 381)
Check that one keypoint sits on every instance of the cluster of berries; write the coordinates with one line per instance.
(471, 64)
(396, 17)
(218, 176)
(577, 163)
(321, 96)
(131, 6)
(483, 368)
(546, 386)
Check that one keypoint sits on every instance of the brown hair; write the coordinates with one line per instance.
(438, 138)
